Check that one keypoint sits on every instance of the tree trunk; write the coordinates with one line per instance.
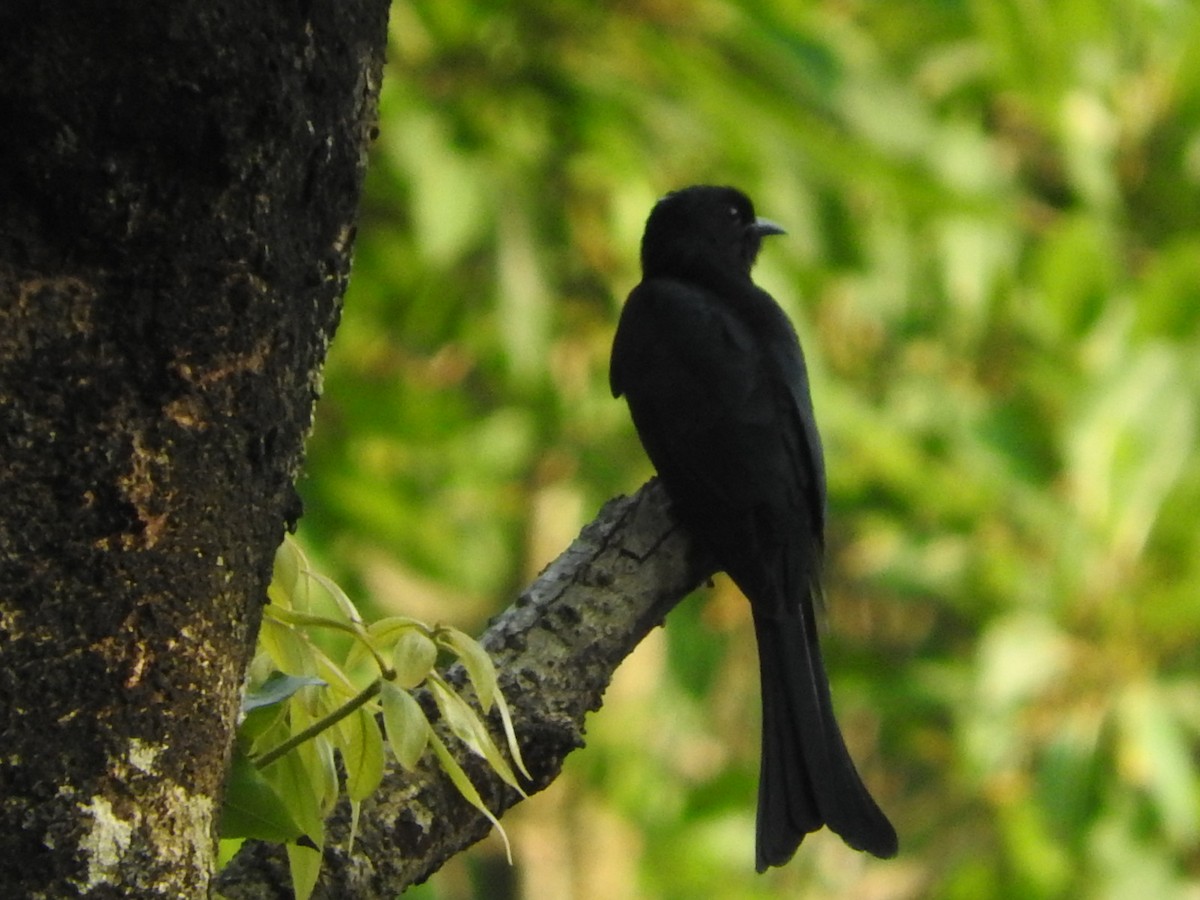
(178, 185)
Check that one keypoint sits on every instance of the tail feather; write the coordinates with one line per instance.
(807, 778)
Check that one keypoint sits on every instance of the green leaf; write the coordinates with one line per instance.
(296, 777)
(289, 563)
(227, 849)
(277, 688)
(407, 728)
(380, 634)
(323, 752)
(338, 596)
(305, 866)
(510, 734)
(355, 809)
(290, 652)
(361, 745)
(253, 808)
(386, 629)
(335, 677)
(463, 784)
(264, 728)
(413, 658)
(316, 754)
(463, 721)
(475, 659)
(306, 619)
(469, 727)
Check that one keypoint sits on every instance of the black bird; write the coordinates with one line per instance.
(716, 384)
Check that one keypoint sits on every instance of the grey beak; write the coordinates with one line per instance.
(762, 227)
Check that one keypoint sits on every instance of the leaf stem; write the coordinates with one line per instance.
(320, 725)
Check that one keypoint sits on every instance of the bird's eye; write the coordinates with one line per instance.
(735, 214)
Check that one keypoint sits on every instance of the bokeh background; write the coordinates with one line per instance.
(993, 261)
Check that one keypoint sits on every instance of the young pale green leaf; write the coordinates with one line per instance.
(289, 563)
(290, 652)
(261, 667)
(463, 784)
(335, 676)
(385, 629)
(227, 849)
(338, 596)
(413, 658)
(408, 730)
(463, 721)
(475, 659)
(316, 754)
(355, 808)
(361, 746)
(253, 808)
(277, 688)
(305, 866)
(468, 726)
(297, 784)
(380, 635)
(323, 752)
(306, 619)
(302, 595)
(510, 734)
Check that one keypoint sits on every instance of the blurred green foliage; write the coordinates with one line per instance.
(993, 262)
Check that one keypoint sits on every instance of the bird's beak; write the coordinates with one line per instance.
(762, 227)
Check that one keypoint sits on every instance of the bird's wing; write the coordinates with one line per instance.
(718, 415)
(806, 440)
(690, 371)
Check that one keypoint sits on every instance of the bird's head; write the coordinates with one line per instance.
(700, 228)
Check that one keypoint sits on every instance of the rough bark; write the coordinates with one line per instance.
(556, 649)
(178, 185)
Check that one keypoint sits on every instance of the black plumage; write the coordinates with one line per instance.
(718, 390)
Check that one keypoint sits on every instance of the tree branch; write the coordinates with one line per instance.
(556, 649)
